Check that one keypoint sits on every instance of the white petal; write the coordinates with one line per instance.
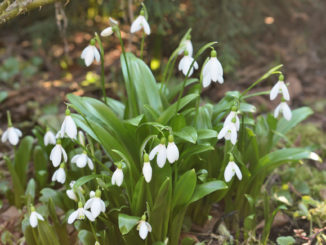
(102, 206)
(222, 133)
(153, 152)
(277, 111)
(96, 54)
(206, 81)
(88, 204)
(274, 91)
(81, 161)
(39, 216)
(181, 64)
(117, 177)
(49, 138)
(172, 152)
(54, 176)
(233, 135)
(285, 91)
(96, 207)
(71, 194)
(4, 136)
(149, 227)
(136, 25)
(72, 217)
(55, 155)
(18, 132)
(12, 136)
(237, 171)
(189, 47)
(74, 158)
(90, 163)
(107, 32)
(228, 172)
(145, 25)
(161, 156)
(63, 152)
(61, 175)
(89, 56)
(33, 220)
(286, 111)
(89, 215)
(70, 127)
(147, 171)
(143, 230)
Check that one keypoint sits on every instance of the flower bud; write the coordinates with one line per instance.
(213, 53)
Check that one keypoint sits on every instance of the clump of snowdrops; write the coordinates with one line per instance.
(129, 171)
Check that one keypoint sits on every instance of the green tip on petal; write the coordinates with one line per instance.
(171, 139)
(146, 157)
(234, 120)
(213, 53)
(62, 165)
(281, 77)
(92, 42)
(163, 140)
(98, 193)
(80, 204)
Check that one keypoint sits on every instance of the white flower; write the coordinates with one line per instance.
(160, 151)
(89, 54)
(143, 228)
(212, 71)
(228, 132)
(187, 47)
(12, 134)
(139, 23)
(59, 175)
(68, 127)
(81, 160)
(71, 193)
(117, 177)
(284, 109)
(185, 64)
(80, 214)
(49, 138)
(107, 32)
(147, 169)
(230, 170)
(57, 153)
(34, 217)
(233, 118)
(279, 87)
(95, 203)
(172, 151)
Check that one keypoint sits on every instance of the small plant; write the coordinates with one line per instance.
(144, 163)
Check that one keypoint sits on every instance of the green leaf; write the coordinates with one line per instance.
(83, 180)
(188, 134)
(86, 237)
(3, 95)
(22, 157)
(206, 134)
(207, 188)
(30, 190)
(116, 106)
(138, 197)
(126, 223)
(40, 161)
(285, 240)
(184, 188)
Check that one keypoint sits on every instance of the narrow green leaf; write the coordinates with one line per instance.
(207, 188)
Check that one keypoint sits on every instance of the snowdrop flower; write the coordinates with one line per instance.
(228, 132)
(80, 214)
(82, 159)
(34, 217)
(185, 64)
(284, 109)
(172, 151)
(140, 23)
(231, 170)
(160, 151)
(143, 228)
(60, 175)
(90, 53)
(233, 118)
(71, 193)
(280, 87)
(187, 46)
(95, 203)
(11, 134)
(68, 127)
(117, 177)
(147, 169)
(109, 30)
(212, 71)
(57, 153)
(49, 138)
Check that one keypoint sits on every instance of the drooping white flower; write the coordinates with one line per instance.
(233, 118)
(172, 151)
(90, 53)
(68, 127)
(228, 132)
(231, 170)
(147, 169)
(80, 214)
(71, 193)
(212, 71)
(49, 138)
(12, 135)
(140, 23)
(82, 159)
(284, 109)
(34, 217)
(143, 227)
(160, 151)
(60, 175)
(109, 30)
(57, 153)
(280, 87)
(187, 45)
(95, 203)
(185, 64)
(117, 177)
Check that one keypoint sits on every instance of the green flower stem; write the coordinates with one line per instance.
(9, 119)
(98, 39)
(36, 236)
(256, 94)
(142, 45)
(166, 74)
(93, 231)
